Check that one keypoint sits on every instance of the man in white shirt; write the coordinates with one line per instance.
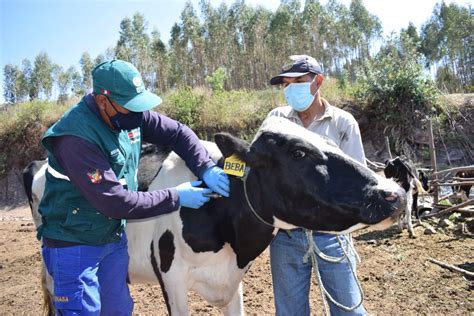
(302, 79)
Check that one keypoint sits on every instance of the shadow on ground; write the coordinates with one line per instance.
(391, 233)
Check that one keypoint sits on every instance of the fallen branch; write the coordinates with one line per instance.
(452, 184)
(451, 267)
(462, 179)
(452, 208)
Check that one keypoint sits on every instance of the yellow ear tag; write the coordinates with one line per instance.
(234, 166)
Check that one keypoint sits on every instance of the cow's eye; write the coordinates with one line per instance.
(298, 154)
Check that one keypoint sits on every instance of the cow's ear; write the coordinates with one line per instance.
(389, 170)
(230, 145)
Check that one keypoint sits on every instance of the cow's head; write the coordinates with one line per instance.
(400, 171)
(305, 181)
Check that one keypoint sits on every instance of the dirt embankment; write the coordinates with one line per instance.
(395, 275)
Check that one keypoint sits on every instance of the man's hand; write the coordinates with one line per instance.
(190, 196)
(217, 180)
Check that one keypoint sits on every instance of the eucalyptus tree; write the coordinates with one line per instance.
(335, 26)
(234, 44)
(42, 76)
(64, 83)
(134, 46)
(257, 56)
(123, 49)
(241, 55)
(315, 34)
(365, 29)
(412, 33)
(160, 62)
(192, 42)
(447, 41)
(86, 69)
(216, 42)
(10, 74)
(178, 58)
(23, 82)
(99, 59)
(281, 42)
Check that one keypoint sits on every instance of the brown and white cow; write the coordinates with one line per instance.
(294, 179)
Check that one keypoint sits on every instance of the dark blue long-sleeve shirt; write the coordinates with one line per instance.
(78, 157)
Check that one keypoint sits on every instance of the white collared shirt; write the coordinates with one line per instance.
(336, 124)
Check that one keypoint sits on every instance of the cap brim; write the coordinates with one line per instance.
(279, 79)
(141, 102)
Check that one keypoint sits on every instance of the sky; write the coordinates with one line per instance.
(64, 29)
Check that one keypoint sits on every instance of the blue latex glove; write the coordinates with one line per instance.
(190, 196)
(217, 180)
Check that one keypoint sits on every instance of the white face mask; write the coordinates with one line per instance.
(298, 95)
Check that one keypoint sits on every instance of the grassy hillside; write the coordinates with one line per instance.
(206, 112)
(238, 112)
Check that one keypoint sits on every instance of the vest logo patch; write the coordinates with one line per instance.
(114, 152)
(95, 176)
(137, 81)
(134, 135)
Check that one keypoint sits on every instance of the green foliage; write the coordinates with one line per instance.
(395, 90)
(251, 43)
(217, 80)
(239, 112)
(393, 85)
(86, 69)
(447, 81)
(10, 75)
(42, 75)
(67, 81)
(21, 127)
(184, 105)
(336, 90)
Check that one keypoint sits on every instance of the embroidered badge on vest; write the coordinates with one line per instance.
(95, 176)
(134, 135)
(114, 152)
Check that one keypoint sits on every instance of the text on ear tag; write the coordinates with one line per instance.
(234, 166)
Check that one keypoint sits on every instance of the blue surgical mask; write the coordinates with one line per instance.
(298, 95)
(121, 121)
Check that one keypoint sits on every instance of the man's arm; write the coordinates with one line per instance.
(161, 130)
(351, 143)
(78, 157)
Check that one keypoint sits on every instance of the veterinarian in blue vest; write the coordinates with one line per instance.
(291, 269)
(91, 188)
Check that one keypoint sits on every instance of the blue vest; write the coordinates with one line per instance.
(66, 214)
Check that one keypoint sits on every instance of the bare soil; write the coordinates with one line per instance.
(395, 275)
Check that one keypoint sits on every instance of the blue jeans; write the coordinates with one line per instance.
(90, 280)
(292, 278)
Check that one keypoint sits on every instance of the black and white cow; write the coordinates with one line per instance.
(295, 179)
(406, 177)
(33, 182)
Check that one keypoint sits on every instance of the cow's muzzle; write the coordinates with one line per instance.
(397, 200)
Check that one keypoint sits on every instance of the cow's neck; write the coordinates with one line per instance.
(252, 236)
(230, 220)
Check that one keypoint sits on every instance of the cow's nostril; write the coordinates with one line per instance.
(390, 196)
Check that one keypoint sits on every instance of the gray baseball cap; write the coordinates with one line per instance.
(300, 65)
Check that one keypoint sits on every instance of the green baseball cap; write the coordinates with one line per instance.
(120, 81)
